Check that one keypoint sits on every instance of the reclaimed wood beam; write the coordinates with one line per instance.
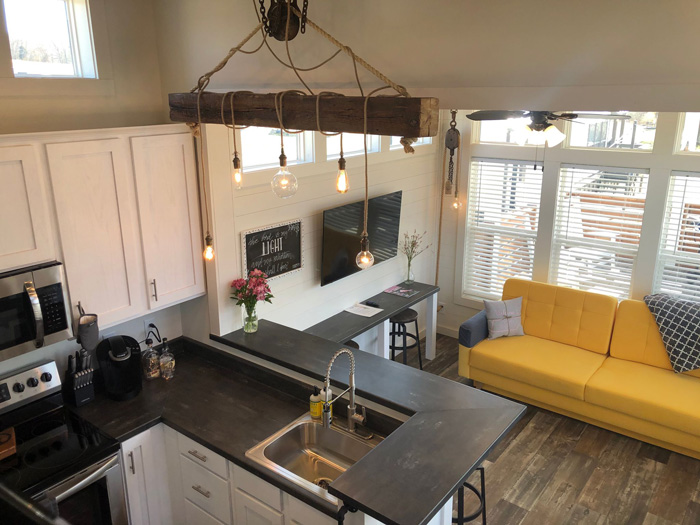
(397, 116)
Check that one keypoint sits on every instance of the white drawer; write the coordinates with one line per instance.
(196, 516)
(256, 487)
(207, 490)
(202, 456)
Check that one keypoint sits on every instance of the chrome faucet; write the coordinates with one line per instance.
(353, 416)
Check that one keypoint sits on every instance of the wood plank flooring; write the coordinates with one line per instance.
(552, 469)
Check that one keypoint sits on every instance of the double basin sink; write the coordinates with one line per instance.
(310, 455)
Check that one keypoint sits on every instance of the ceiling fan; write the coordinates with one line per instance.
(539, 132)
(539, 119)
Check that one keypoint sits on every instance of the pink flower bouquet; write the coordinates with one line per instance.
(247, 292)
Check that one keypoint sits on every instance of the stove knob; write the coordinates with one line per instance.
(46, 377)
(32, 382)
(18, 387)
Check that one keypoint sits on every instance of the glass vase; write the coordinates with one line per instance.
(250, 320)
(410, 278)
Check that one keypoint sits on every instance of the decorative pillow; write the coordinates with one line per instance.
(679, 323)
(504, 317)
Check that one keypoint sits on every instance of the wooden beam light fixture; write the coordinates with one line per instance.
(398, 115)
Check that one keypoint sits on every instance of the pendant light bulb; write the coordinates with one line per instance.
(364, 259)
(236, 173)
(342, 185)
(456, 203)
(209, 250)
(284, 184)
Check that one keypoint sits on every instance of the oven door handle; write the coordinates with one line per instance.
(36, 309)
(82, 480)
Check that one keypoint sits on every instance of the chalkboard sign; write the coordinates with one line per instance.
(276, 250)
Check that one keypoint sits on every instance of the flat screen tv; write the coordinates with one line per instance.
(342, 228)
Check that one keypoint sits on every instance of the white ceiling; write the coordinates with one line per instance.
(536, 54)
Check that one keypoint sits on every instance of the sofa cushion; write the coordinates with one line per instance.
(647, 392)
(504, 318)
(564, 315)
(539, 362)
(679, 323)
(636, 337)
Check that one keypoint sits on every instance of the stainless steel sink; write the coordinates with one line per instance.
(310, 455)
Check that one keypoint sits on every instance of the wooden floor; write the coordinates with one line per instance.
(552, 469)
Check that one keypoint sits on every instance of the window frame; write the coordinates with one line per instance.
(82, 42)
(374, 145)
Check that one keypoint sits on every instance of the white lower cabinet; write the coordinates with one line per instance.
(145, 478)
(298, 513)
(251, 511)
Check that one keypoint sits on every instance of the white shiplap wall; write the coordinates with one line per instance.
(299, 300)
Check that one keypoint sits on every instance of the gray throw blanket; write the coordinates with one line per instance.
(679, 324)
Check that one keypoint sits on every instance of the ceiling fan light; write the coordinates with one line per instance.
(553, 136)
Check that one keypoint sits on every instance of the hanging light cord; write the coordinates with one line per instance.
(198, 134)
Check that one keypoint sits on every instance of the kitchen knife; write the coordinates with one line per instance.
(83, 359)
(71, 364)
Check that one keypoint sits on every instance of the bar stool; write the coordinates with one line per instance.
(460, 519)
(398, 328)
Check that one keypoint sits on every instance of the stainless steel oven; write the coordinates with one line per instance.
(34, 309)
(94, 496)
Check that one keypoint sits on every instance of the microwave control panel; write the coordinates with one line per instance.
(52, 308)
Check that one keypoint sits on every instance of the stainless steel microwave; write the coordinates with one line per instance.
(34, 309)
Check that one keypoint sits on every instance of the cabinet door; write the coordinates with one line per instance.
(98, 223)
(26, 239)
(298, 513)
(250, 511)
(134, 453)
(145, 477)
(166, 185)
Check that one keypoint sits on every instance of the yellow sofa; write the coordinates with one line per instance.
(587, 357)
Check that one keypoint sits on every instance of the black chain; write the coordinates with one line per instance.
(451, 170)
(266, 25)
(304, 11)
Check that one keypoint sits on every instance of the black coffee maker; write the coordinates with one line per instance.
(120, 365)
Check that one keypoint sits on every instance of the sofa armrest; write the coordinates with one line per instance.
(474, 330)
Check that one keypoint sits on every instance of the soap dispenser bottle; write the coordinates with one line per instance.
(316, 404)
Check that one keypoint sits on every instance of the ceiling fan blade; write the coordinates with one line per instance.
(602, 116)
(497, 114)
(563, 116)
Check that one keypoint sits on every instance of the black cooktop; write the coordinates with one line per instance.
(53, 443)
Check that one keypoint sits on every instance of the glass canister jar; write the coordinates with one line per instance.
(150, 362)
(167, 361)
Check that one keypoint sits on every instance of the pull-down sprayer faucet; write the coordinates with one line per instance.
(353, 416)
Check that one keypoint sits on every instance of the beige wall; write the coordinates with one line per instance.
(540, 54)
(127, 93)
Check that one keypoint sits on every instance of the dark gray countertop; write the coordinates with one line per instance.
(417, 469)
(344, 326)
(213, 400)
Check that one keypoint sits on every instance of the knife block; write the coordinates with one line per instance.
(75, 393)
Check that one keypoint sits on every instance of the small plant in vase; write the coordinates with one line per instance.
(247, 293)
(412, 247)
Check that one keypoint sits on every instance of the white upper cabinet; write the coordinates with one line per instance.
(98, 221)
(26, 236)
(166, 186)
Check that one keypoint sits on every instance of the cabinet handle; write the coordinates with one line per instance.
(199, 456)
(155, 290)
(203, 492)
(132, 468)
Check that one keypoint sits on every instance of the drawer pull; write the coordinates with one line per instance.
(199, 456)
(203, 492)
(132, 468)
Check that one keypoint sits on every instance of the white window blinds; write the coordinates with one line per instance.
(502, 218)
(678, 263)
(597, 228)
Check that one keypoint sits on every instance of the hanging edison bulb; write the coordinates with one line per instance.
(209, 250)
(456, 203)
(284, 183)
(342, 185)
(364, 259)
(236, 173)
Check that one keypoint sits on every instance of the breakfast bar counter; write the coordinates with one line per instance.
(414, 472)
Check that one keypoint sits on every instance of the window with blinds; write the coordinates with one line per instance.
(678, 263)
(597, 228)
(502, 217)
